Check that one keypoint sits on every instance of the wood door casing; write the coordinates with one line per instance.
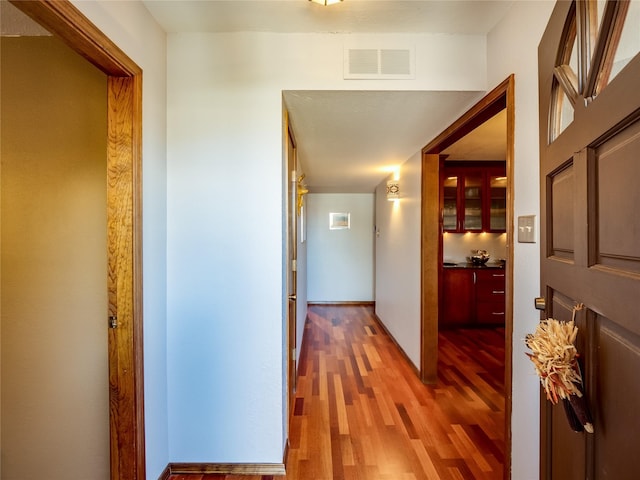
(124, 225)
(292, 254)
(590, 254)
(500, 98)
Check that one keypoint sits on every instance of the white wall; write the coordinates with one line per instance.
(132, 28)
(340, 262)
(398, 258)
(225, 232)
(512, 48)
(456, 247)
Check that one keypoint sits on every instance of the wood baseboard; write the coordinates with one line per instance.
(166, 473)
(355, 302)
(285, 455)
(404, 354)
(223, 469)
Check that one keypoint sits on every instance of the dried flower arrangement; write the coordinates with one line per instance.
(555, 359)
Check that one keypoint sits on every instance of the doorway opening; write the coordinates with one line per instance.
(499, 99)
(124, 226)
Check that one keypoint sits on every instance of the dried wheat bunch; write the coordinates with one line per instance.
(555, 358)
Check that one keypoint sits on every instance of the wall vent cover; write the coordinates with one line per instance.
(379, 63)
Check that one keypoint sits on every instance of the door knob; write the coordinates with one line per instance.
(540, 303)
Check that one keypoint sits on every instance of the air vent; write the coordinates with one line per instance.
(378, 63)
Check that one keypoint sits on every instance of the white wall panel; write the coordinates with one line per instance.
(340, 262)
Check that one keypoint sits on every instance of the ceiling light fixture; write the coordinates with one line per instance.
(325, 2)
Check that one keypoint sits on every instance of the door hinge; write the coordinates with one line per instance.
(113, 321)
(294, 265)
(293, 354)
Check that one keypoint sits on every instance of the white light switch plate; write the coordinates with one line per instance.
(527, 229)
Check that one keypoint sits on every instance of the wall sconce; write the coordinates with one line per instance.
(302, 190)
(393, 190)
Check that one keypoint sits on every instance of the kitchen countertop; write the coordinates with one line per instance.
(472, 265)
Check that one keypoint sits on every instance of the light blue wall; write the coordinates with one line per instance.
(340, 262)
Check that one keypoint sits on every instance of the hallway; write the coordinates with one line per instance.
(362, 413)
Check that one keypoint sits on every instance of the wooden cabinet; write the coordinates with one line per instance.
(457, 294)
(472, 297)
(474, 197)
(490, 300)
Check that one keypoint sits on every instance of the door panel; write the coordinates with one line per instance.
(566, 458)
(561, 192)
(590, 255)
(618, 397)
(618, 177)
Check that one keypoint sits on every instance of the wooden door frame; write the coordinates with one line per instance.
(124, 225)
(292, 239)
(500, 98)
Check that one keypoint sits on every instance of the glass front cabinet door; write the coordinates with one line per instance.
(450, 207)
(497, 202)
(473, 200)
(474, 197)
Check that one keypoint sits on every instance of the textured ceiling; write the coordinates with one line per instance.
(349, 16)
(347, 140)
(350, 141)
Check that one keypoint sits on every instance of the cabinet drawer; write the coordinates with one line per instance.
(490, 313)
(493, 275)
(490, 292)
(490, 285)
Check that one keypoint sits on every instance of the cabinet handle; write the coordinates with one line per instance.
(474, 278)
(497, 291)
(497, 313)
(498, 274)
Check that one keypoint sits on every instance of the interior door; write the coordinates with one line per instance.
(590, 228)
(292, 234)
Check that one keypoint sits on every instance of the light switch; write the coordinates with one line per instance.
(527, 229)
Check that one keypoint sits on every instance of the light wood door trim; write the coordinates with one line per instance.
(292, 258)
(431, 240)
(501, 97)
(124, 93)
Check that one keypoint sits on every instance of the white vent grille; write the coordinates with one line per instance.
(378, 63)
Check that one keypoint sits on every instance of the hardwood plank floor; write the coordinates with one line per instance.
(361, 413)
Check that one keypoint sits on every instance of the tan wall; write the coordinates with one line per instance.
(54, 377)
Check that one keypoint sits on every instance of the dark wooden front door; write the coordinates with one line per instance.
(590, 229)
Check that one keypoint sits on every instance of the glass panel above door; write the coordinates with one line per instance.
(629, 45)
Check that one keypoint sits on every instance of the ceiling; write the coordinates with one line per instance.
(349, 16)
(348, 141)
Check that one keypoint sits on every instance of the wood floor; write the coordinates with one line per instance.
(361, 413)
